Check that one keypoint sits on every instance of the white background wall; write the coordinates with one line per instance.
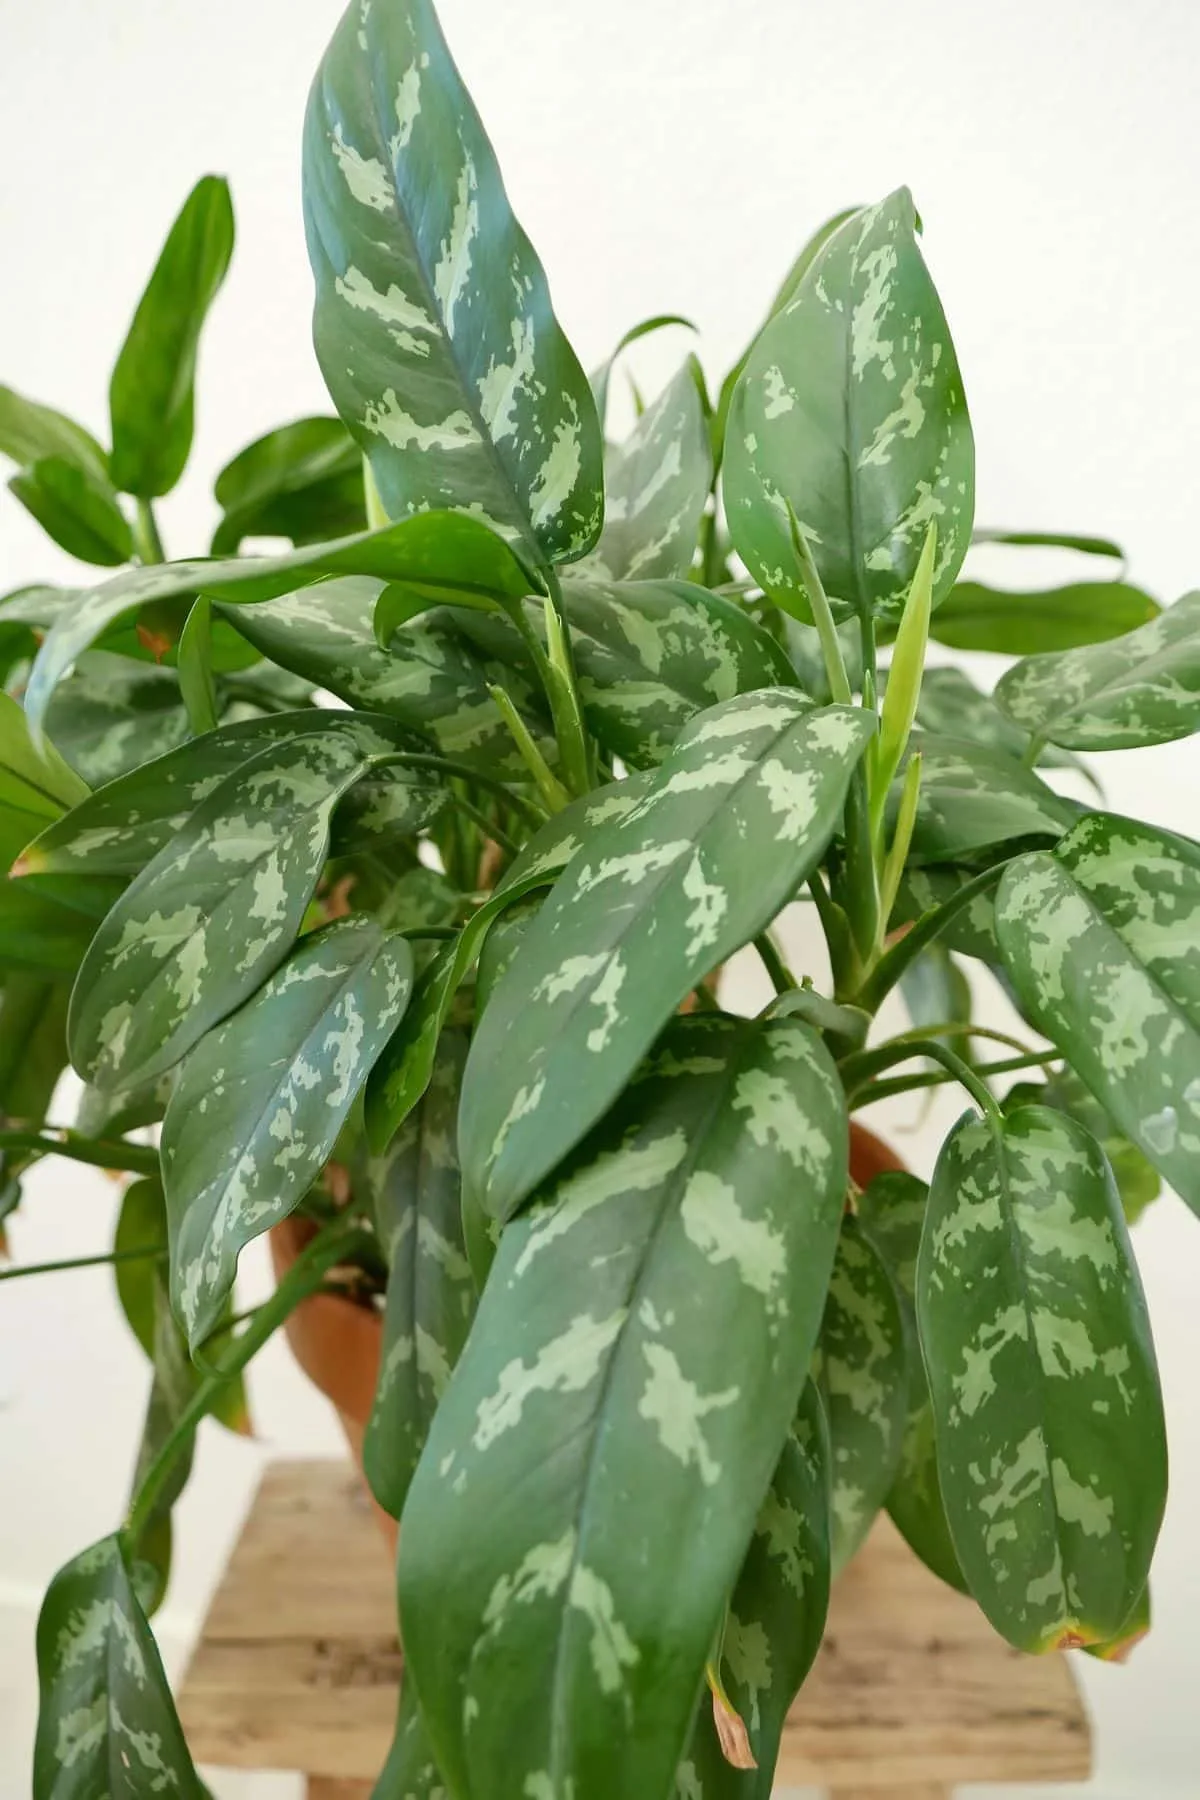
(663, 157)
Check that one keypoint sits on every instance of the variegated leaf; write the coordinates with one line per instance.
(1138, 1181)
(776, 1616)
(1100, 942)
(403, 1071)
(433, 323)
(427, 678)
(215, 910)
(593, 1475)
(416, 1196)
(106, 1722)
(656, 486)
(971, 932)
(441, 552)
(119, 828)
(862, 1369)
(111, 714)
(892, 1213)
(410, 1772)
(649, 655)
(260, 1101)
(850, 411)
(972, 799)
(727, 829)
(1143, 688)
(1050, 1438)
(951, 706)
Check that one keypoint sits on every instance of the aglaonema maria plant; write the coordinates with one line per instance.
(388, 874)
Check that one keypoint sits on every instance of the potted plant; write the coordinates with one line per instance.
(422, 980)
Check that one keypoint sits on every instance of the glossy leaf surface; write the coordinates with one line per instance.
(1050, 1438)
(152, 394)
(608, 1451)
(76, 508)
(1143, 688)
(30, 431)
(442, 552)
(863, 1378)
(976, 617)
(214, 912)
(656, 486)
(427, 678)
(1100, 942)
(659, 899)
(303, 481)
(260, 1101)
(433, 323)
(417, 1200)
(851, 411)
(106, 1721)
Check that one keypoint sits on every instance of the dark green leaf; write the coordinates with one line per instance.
(433, 323)
(119, 828)
(427, 678)
(892, 1213)
(936, 992)
(776, 1615)
(1050, 1438)
(78, 509)
(111, 715)
(106, 1722)
(302, 481)
(605, 1449)
(660, 898)
(656, 487)
(1100, 942)
(215, 911)
(417, 1201)
(30, 431)
(951, 706)
(851, 411)
(260, 1101)
(975, 617)
(863, 1375)
(971, 932)
(1143, 688)
(40, 935)
(152, 394)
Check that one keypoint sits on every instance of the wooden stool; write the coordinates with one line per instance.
(297, 1666)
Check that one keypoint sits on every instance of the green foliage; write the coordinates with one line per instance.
(381, 871)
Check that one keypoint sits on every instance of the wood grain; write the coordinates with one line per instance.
(298, 1665)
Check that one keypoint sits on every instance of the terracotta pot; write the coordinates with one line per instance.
(338, 1342)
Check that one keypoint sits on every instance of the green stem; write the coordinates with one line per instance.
(964, 1028)
(554, 795)
(961, 1072)
(146, 539)
(566, 706)
(132, 1159)
(447, 765)
(907, 1084)
(487, 826)
(336, 1243)
(782, 979)
(897, 856)
(818, 600)
(890, 967)
(155, 1251)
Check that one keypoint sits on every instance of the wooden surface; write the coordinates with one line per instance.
(298, 1666)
